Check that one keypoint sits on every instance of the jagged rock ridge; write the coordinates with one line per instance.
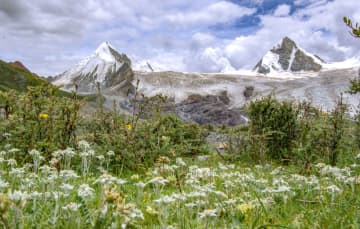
(106, 69)
(287, 56)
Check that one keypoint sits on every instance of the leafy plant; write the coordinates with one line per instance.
(277, 121)
(38, 119)
(355, 31)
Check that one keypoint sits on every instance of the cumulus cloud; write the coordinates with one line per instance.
(49, 35)
(210, 59)
(282, 10)
(219, 12)
(317, 28)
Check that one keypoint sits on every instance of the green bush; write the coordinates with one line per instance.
(39, 120)
(274, 123)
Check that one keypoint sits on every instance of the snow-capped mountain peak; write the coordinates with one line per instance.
(286, 56)
(106, 67)
(104, 52)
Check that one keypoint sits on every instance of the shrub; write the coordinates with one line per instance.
(276, 122)
(38, 119)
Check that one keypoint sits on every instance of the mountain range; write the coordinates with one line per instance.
(286, 71)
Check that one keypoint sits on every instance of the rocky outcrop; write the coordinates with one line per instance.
(287, 56)
(302, 62)
(210, 109)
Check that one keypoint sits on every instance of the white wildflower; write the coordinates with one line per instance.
(45, 169)
(203, 158)
(109, 180)
(34, 153)
(85, 191)
(191, 205)
(74, 207)
(136, 213)
(208, 213)
(220, 195)
(165, 200)
(68, 174)
(35, 195)
(333, 189)
(100, 158)
(66, 187)
(158, 181)
(180, 197)
(17, 196)
(276, 171)
(84, 145)
(11, 162)
(3, 184)
(14, 150)
(197, 194)
(180, 161)
(110, 154)
(140, 185)
(18, 172)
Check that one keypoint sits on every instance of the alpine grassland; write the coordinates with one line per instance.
(291, 166)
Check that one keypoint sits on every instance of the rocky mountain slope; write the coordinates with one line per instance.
(216, 98)
(106, 68)
(288, 57)
(322, 89)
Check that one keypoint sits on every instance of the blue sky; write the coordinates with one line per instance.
(50, 36)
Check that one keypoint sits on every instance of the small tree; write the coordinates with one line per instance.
(355, 32)
(274, 122)
(336, 131)
(355, 83)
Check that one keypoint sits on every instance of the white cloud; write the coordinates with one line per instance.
(218, 12)
(318, 28)
(208, 60)
(49, 35)
(282, 10)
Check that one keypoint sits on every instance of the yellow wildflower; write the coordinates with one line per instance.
(128, 126)
(357, 180)
(135, 177)
(43, 116)
(171, 178)
(148, 174)
(246, 208)
(151, 211)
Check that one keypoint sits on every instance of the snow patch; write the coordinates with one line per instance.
(271, 61)
(292, 58)
(350, 63)
(104, 53)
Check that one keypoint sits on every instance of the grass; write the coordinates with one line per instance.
(160, 172)
(197, 192)
(16, 78)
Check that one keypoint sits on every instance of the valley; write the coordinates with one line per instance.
(210, 114)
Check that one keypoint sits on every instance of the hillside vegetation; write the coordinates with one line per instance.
(16, 78)
(292, 166)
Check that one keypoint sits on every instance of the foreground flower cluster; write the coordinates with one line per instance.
(75, 190)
